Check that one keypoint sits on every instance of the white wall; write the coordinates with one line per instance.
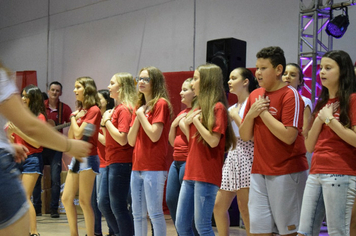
(101, 37)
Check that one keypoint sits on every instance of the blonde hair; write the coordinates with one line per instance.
(159, 89)
(127, 89)
(211, 91)
(91, 97)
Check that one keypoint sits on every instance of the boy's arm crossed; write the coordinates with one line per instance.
(286, 134)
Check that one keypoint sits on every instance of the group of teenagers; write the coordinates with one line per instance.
(265, 135)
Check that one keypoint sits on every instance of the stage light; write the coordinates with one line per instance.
(337, 26)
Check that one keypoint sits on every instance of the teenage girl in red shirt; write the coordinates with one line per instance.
(331, 187)
(107, 103)
(179, 141)
(149, 135)
(115, 185)
(83, 179)
(210, 135)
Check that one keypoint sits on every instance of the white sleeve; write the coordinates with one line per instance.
(307, 102)
(7, 86)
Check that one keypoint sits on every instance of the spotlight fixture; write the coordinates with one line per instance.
(337, 26)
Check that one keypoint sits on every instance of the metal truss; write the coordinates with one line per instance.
(313, 41)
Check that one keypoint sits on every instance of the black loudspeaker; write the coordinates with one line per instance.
(228, 54)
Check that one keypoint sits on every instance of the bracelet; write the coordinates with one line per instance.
(69, 146)
(106, 121)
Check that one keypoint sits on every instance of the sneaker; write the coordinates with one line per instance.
(54, 213)
(35, 234)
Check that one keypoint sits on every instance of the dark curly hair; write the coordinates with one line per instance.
(275, 55)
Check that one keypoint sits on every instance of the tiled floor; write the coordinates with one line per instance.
(59, 227)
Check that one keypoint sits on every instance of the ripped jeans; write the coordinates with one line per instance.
(196, 201)
(331, 194)
(147, 189)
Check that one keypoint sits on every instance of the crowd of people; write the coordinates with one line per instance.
(121, 171)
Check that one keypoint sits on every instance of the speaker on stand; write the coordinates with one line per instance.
(228, 54)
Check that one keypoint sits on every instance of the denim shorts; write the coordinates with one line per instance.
(13, 202)
(90, 162)
(32, 164)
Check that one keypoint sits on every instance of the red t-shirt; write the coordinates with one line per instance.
(332, 155)
(101, 152)
(92, 116)
(147, 155)
(203, 162)
(115, 153)
(31, 149)
(180, 142)
(271, 155)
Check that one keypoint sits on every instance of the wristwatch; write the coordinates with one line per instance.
(328, 120)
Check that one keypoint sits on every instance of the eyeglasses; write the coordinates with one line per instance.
(144, 79)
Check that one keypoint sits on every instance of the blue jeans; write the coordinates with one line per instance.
(174, 182)
(94, 203)
(53, 158)
(330, 193)
(196, 202)
(113, 194)
(147, 195)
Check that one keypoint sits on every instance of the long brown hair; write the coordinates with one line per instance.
(91, 97)
(36, 104)
(347, 86)
(159, 89)
(211, 91)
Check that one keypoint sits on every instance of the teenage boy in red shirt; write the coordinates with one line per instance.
(274, 119)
